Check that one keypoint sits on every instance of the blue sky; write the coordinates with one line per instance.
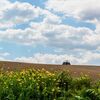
(50, 31)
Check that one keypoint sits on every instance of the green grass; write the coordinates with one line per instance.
(43, 85)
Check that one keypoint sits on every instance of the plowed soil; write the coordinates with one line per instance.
(75, 70)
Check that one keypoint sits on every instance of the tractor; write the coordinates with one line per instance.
(66, 63)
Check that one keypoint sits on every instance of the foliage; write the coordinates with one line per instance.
(43, 85)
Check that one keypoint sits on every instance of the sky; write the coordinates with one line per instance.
(50, 31)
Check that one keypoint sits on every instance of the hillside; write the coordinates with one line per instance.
(75, 70)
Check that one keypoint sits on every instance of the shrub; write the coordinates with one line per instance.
(43, 85)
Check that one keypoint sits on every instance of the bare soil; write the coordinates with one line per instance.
(75, 70)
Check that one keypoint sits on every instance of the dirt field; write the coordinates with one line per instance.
(75, 70)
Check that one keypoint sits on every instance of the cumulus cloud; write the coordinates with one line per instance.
(86, 58)
(92, 39)
(16, 13)
(4, 4)
(21, 12)
(86, 9)
(27, 36)
(71, 37)
(50, 30)
(45, 58)
(63, 36)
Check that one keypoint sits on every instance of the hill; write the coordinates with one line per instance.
(75, 70)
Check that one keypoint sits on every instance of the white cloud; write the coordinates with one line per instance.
(45, 58)
(17, 13)
(50, 31)
(21, 12)
(63, 36)
(86, 58)
(97, 23)
(4, 4)
(27, 36)
(51, 18)
(93, 37)
(90, 57)
(86, 9)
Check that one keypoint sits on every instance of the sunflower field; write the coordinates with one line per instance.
(34, 84)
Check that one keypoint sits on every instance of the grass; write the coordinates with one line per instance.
(38, 84)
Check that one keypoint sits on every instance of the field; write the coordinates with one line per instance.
(75, 70)
(24, 81)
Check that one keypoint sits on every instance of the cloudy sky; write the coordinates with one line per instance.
(50, 31)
